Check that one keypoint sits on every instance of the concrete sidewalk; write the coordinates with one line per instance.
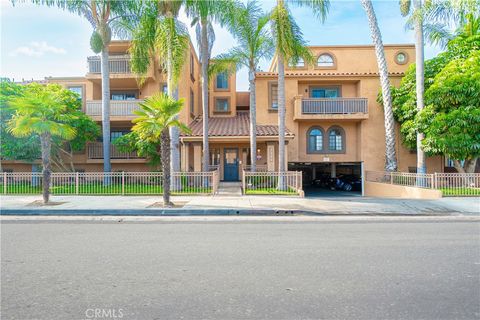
(244, 204)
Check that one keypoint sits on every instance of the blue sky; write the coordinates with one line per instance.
(38, 41)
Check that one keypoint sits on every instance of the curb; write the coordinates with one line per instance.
(174, 212)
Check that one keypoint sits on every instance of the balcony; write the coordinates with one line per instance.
(119, 67)
(117, 64)
(330, 108)
(120, 109)
(95, 152)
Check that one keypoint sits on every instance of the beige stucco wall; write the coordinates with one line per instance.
(383, 190)
(356, 74)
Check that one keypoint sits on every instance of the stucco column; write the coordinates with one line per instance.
(197, 157)
(333, 170)
(271, 156)
(185, 153)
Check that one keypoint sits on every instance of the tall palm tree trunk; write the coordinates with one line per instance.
(390, 153)
(253, 120)
(165, 151)
(107, 168)
(174, 134)
(281, 120)
(46, 146)
(419, 61)
(204, 54)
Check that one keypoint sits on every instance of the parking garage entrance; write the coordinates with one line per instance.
(330, 179)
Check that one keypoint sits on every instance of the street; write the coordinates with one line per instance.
(240, 270)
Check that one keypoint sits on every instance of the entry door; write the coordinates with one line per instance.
(230, 164)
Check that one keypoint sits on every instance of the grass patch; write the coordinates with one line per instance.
(112, 189)
(271, 191)
(466, 191)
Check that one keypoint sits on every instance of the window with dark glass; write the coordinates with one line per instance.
(214, 157)
(222, 81)
(324, 93)
(335, 140)
(117, 134)
(78, 90)
(192, 102)
(221, 105)
(315, 140)
(192, 66)
(274, 96)
(123, 96)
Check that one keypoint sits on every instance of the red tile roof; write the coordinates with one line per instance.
(321, 73)
(232, 126)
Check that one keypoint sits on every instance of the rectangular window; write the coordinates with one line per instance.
(192, 102)
(78, 90)
(274, 96)
(117, 134)
(123, 96)
(324, 93)
(222, 81)
(449, 162)
(192, 67)
(214, 157)
(222, 105)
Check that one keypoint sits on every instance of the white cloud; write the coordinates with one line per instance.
(37, 49)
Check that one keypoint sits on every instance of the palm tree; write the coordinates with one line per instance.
(156, 116)
(417, 17)
(203, 13)
(390, 154)
(104, 16)
(42, 110)
(290, 46)
(160, 33)
(248, 25)
(445, 20)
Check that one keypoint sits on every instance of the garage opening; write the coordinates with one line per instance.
(330, 179)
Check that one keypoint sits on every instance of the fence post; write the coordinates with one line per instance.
(123, 183)
(5, 183)
(76, 182)
(391, 178)
(243, 182)
(434, 182)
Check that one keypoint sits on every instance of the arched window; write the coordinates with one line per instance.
(335, 140)
(325, 60)
(315, 140)
(300, 63)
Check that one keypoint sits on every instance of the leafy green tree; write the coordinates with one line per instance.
(404, 97)
(249, 26)
(451, 120)
(131, 142)
(43, 111)
(14, 148)
(156, 115)
(27, 148)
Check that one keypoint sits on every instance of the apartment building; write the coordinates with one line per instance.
(334, 123)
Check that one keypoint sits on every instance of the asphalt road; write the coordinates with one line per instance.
(240, 270)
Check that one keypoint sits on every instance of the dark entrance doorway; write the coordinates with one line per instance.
(230, 164)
